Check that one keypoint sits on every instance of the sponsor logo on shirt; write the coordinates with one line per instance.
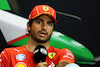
(16, 50)
(69, 55)
(52, 65)
(20, 64)
(51, 55)
(0, 60)
(20, 57)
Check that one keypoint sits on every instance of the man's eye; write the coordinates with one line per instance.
(50, 24)
(39, 22)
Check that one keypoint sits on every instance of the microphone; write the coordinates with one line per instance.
(40, 54)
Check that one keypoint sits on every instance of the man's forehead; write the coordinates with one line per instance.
(42, 17)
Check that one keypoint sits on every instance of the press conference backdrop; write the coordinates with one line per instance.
(85, 31)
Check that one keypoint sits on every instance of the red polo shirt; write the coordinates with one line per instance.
(21, 57)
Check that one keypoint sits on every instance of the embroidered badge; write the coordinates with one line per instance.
(20, 57)
(20, 64)
(51, 55)
(45, 8)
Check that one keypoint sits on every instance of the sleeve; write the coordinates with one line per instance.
(5, 59)
(66, 55)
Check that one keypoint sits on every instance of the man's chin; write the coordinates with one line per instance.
(42, 41)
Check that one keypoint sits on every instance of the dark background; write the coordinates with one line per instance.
(85, 31)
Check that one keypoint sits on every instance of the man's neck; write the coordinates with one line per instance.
(31, 45)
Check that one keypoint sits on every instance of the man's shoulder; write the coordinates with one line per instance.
(51, 48)
(57, 49)
(12, 49)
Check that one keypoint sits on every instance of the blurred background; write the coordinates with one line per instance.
(78, 19)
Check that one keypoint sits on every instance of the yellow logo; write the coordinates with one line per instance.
(20, 65)
(45, 8)
(51, 55)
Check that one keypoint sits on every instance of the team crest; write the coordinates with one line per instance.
(51, 55)
(20, 64)
(45, 8)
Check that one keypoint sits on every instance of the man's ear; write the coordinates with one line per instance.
(28, 26)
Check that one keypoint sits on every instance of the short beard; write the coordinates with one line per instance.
(43, 41)
(39, 40)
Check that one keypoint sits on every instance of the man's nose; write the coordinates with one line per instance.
(44, 26)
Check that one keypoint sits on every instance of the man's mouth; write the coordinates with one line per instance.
(43, 34)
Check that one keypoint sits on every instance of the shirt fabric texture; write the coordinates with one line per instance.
(21, 57)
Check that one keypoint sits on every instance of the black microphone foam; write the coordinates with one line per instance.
(40, 54)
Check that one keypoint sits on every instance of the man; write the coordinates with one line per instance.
(41, 23)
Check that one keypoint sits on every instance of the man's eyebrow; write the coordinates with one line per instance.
(43, 20)
(39, 19)
(51, 21)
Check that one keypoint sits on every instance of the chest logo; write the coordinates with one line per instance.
(20, 57)
(20, 64)
(45, 8)
(51, 55)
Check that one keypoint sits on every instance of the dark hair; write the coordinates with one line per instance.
(30, 22)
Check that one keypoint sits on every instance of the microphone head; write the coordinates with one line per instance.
(40, 54)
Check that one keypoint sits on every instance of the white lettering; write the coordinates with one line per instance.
(77, 43)
(17, 50)
(58, 34)
(0, 60)
(52, 65)
(42, 50)
(36, 51)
